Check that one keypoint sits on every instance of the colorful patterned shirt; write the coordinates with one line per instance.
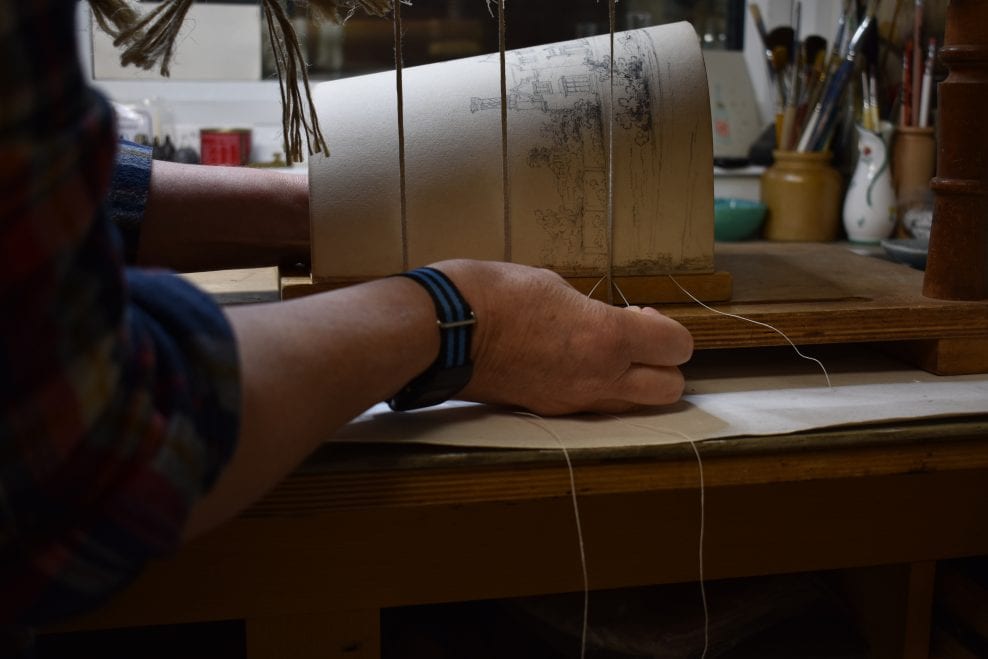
(119, 388)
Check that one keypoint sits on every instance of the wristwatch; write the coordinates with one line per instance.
(451, 371)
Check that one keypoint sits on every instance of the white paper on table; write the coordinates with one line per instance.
(729, 394)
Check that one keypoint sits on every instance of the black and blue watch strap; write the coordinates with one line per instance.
(452, 369)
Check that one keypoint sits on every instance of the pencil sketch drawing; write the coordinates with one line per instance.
(570, 84)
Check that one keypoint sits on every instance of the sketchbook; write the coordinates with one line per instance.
(568, 111)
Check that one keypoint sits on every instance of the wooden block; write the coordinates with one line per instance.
(238, 286)
(944, 356)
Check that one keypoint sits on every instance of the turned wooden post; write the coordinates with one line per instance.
(957, 264)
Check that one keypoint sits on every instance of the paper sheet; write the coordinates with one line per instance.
(559, 118)
(729, 394)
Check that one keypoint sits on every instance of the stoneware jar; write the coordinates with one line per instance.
(869, 206)
(803, 194)
(913, 166)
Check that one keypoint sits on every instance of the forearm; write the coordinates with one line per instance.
(309, 366)
(208, 218)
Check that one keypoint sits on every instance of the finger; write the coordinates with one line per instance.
(649, 385)
(653, 338)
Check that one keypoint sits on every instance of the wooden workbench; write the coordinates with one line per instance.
(361, 527)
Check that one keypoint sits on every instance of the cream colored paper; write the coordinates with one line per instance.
(559, 117)
(729, 394)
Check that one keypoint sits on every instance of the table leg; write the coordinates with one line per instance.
(332, 635)
(893, 604)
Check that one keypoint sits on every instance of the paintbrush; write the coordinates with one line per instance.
(836, 56)
(756, 15)
(924, 98)
(866, 102)
(825, 113)
(780, 42)
(917, 61)
(813, 45)
(770, 65)
(869, 53)
(789, 114)
(906, 117)
(816, 77)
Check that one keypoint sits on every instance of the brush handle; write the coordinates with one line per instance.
(788, 127)
(829, 105)
(756, 15)
(907, 85)
(917, 61)
(926, 92)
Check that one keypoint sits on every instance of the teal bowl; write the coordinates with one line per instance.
(737, 219)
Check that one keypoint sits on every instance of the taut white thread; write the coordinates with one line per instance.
(703, 515)
(616, 287)
(538, 422)
(703, 524)
(400, 96)
(612, 24)
(505, 181)
(621, 293)
(757, 322)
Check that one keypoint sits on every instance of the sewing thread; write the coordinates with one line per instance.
(612, 25)
(538, 422)
(505, 179)
(614, 285)
(760, 323)
(400, 97)
(703, 517)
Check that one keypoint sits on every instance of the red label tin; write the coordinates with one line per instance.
(224, 146)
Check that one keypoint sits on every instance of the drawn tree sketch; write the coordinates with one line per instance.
(570, 86)
(584, 135)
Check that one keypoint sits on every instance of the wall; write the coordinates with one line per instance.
(257, 104)
(190, 105)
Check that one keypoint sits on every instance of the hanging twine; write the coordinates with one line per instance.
(149, 41)
(113, 15)
(290, 63)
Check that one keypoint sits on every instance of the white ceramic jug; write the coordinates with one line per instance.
(869, 205)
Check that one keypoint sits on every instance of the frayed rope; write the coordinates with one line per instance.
(149, 41)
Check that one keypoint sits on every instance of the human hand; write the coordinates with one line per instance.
(542, 345)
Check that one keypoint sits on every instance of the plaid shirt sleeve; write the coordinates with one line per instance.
(119, 389)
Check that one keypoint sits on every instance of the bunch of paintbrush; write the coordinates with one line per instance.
(779, 59)
(814, 134)
(809, 84)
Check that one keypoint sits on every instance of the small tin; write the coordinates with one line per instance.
(224, 146)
